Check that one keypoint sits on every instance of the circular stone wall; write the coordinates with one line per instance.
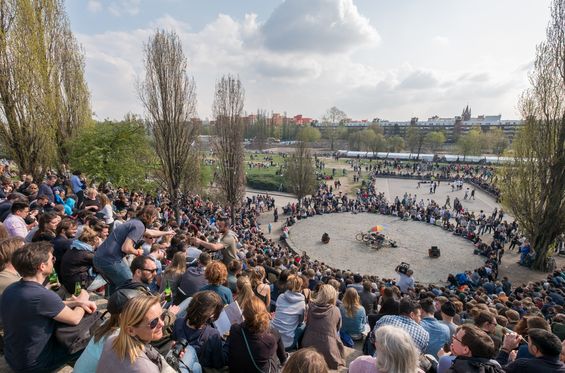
(413, 239)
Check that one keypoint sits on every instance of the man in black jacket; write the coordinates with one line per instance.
(474, 350)
(543, 345)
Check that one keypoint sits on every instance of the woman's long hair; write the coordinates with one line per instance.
(178, 266)
(204, 306)
(257, 276)
(44, 233)
(244, 291)
(397, 352)
(351, 302)
(327, 295)
(107, 328)
(126, 346)
(256, 316)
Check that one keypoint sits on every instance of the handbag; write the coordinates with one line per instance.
(75, 337)
(273, 368)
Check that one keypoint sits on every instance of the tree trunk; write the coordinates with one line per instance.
(548, 230)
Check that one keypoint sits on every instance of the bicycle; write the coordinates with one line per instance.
(363, 237)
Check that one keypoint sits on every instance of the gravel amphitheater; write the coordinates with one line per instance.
(413, 240)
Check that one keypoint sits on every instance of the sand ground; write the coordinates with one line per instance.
(413, 239)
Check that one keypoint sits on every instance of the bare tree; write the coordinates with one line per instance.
(332, 119)
(533, 186)
(228, 130)
(169, 97)
(261, 130)
(300, 172)
(43, 95)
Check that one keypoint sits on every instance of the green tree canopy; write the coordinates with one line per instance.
(434, 140)
(470, 143)
(115, 152)
(496, 141)
(395, 144)
(309, 134)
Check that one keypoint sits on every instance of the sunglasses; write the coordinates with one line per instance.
(150, 270)
(153, 323)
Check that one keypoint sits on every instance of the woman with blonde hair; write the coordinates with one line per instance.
(353, 315)
(253, 345)
(244, 291)
(131, 351)
(323, 322)
(260, 288)
(291, 307)
(173, 274)
(106, 212)
(396, 353)
(90, 202)
(89, 358)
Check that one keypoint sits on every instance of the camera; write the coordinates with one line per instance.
(173, 356)
(403, 268)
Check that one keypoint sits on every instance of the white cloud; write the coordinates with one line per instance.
(325, 26)
(94, 6)
(119, 8)
(298, 80)
(441, 40)
(169, 22)
(419, 79)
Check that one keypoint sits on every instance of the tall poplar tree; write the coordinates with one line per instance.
(533, 186)
(43, 94)
(169, 98)
(227, 142)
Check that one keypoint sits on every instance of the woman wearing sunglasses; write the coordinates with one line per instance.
(130, 351)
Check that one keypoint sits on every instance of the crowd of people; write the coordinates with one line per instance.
(480, 175)
(170, 280)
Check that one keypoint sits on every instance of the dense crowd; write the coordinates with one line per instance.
(173, 273)
(479, 175)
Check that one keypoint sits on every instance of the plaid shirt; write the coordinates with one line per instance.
(419, 335)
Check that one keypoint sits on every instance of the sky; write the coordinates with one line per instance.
(385, 59)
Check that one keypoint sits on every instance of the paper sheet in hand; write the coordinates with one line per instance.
(231, 314)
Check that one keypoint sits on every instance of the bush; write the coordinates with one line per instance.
(266, 182)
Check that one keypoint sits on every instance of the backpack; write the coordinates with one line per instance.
(369, 344)
(76, 337)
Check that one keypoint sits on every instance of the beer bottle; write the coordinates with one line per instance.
(54, 281)
(78, 288)
(168, 292)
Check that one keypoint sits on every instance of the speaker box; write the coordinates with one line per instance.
(434, 252)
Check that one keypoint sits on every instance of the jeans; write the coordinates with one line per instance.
(189, 362)
(116, 273)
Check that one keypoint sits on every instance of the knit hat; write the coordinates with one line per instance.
(449, 309)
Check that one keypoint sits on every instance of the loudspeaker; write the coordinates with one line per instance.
(434, 252)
